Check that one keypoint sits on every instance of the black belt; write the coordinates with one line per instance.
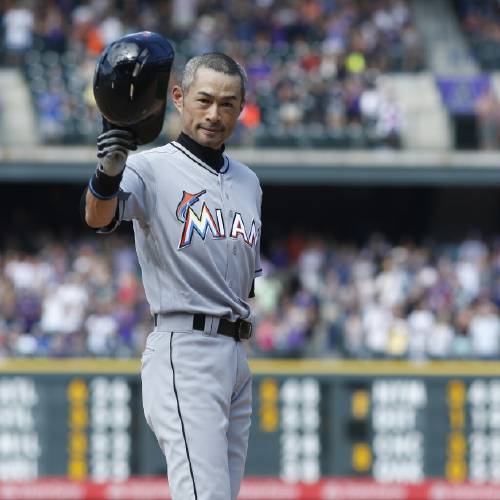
(238, 330)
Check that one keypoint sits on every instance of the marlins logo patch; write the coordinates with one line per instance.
(205, 221)
(188, 199)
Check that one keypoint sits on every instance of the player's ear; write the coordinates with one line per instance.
(243, 100)
(177, 97)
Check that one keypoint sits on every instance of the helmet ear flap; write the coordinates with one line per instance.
(131, 82)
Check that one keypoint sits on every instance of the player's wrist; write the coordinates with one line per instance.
(104, 186)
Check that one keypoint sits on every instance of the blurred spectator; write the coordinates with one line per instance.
(53, 111)
(86, 34)
(422, 326)
(441, 338)
(376, 325)
(64, 306)
(111, 27)
(381, 117)
(488, 118)
(484, 331)
(18, 22)
(399, 334)
(250, 119)
(51, 27)
(102, 331)
(461, 345)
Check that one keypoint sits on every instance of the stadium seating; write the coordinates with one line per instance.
(309, 63)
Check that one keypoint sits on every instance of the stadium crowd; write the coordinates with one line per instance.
(317, 298)
(312, 65)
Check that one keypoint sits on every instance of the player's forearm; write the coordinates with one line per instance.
(99, 213)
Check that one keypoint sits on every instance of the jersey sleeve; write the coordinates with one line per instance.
(136, 196)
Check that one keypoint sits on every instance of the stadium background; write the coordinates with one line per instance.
(374, 128)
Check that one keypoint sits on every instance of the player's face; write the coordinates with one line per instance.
(210, 109)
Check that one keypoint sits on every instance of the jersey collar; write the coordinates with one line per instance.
(213, 160)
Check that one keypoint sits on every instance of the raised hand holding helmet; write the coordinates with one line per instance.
(131, 82)
(130, 88)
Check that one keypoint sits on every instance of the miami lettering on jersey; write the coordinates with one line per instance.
(205, 221)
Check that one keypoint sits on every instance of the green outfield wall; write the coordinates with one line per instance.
(388, 420)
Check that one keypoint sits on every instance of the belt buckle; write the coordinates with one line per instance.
(244, 330)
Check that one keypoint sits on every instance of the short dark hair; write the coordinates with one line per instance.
(216, 61)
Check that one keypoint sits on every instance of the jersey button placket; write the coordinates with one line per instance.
(221, 186)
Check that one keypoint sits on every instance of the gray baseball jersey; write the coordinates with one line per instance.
(197, 233)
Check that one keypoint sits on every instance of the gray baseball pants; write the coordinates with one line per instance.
(197, 398)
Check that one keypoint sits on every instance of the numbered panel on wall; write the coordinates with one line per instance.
(403, 427)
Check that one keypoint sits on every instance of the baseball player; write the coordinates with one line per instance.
(196, 215)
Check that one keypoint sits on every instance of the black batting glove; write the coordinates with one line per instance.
(113, 147)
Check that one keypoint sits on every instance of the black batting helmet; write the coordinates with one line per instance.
(131, 81)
